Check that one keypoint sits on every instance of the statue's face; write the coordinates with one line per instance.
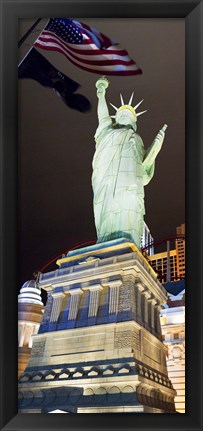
(125, 117)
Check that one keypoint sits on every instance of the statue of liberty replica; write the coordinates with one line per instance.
(99, 347)
(121, 169)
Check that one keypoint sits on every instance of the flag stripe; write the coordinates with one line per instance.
(120, 69)
(88, 59)
(93, 62)
(86, 48)
(90, 49)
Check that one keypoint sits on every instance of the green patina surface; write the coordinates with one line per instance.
(122, 167)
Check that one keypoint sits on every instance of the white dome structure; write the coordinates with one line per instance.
(30, 312)
(30, 293)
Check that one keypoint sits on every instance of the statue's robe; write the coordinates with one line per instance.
(118, 181)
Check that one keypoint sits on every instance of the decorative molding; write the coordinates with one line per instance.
(56, 306)
(38, 348)
(122, 340)
(114, 287)
(74, 303)
(94, 300)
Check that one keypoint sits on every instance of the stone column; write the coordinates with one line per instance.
(147, 296)
(114, 295)
(21, 335)
(94, 300)
(158, 309)
(56, 306)
(74, 303)
(47, 310)
(153, 302)
(140, 289)
(31, 334)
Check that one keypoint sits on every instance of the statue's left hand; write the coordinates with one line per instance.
(164, 127)
(152, 152)
(161, 133)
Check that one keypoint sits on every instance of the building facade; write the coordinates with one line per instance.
(173, 333)
(180, 251)
(170, 264)
(147, 239)
(170, 267)
(30, 312)
(99, 348)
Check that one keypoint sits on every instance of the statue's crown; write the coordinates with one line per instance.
(129, 107)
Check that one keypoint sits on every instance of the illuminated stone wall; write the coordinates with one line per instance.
(173, 330)
(99, 346)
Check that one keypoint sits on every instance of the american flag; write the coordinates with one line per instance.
(86, 48)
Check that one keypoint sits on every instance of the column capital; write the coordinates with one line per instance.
(58, 294)
(147, 294)
(158, 306)
(75, 292)
(153, 301)
(140, 286)
(96, 287)
(114, 283)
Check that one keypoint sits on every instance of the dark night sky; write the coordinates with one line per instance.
(56, 144)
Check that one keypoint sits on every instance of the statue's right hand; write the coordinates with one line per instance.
(101, 85)
(101, 90)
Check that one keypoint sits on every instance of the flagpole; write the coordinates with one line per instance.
(25, 37)
(22, 40)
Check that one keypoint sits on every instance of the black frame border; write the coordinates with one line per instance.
(192, 12)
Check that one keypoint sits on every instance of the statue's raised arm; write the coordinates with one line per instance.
(102, 110)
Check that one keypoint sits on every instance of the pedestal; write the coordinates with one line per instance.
(99, 348)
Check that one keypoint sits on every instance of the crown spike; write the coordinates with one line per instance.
(114, 107)
(131, 99)
(122, 102)
(140, 113)
(139, 103)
